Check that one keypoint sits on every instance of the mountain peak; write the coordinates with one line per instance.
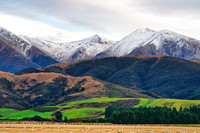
(95, 36)
(144, 30)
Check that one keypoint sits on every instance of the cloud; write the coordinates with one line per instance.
(112, 18)
(169, 7)
(96, 16)
(34, 29)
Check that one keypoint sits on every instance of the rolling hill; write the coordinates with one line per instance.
(39, 89)
(82, 90)
(165, 76)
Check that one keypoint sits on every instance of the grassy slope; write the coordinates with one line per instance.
(114, 90)
(161, 75)
(93, 100)
(26, 114)
(87, 112)
(46, 89)
(7, 111)
(82, 113)
(177, 103)
(70, 112)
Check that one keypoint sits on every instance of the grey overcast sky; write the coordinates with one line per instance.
(68, 20)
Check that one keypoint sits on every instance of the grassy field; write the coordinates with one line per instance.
(86, 112)
(71, 110)
(177, 103)
(72, 113)
(26, 114)
(7, 111)
(93, 100)
(82, 113)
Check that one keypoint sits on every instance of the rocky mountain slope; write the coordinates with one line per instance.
(142, 41)
(16, 54)
(72, 51)
(150, 42)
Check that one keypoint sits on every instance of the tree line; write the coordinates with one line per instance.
(140, 115)
(152, 115)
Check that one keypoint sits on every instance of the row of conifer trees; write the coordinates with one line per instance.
(152, 115)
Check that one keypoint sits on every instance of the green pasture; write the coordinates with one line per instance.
(82, 113)
(177, 103)
(27, 114)
(7, 111)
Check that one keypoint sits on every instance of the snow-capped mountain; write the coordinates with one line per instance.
(127, 44)
(14, 41)
(50, 48)
(87, 48)
(17, 54)
(168, 43)
(73, 51)
(150, 42)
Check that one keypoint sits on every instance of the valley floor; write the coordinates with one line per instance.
(94, 128)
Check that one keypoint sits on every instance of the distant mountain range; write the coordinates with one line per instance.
(73, 51)
(150, 42)
(20, 52)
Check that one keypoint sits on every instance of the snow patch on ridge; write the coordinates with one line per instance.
(22, 47)
(133, 40)
(88, 47)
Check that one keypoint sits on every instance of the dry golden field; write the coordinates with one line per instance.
(94, 128)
